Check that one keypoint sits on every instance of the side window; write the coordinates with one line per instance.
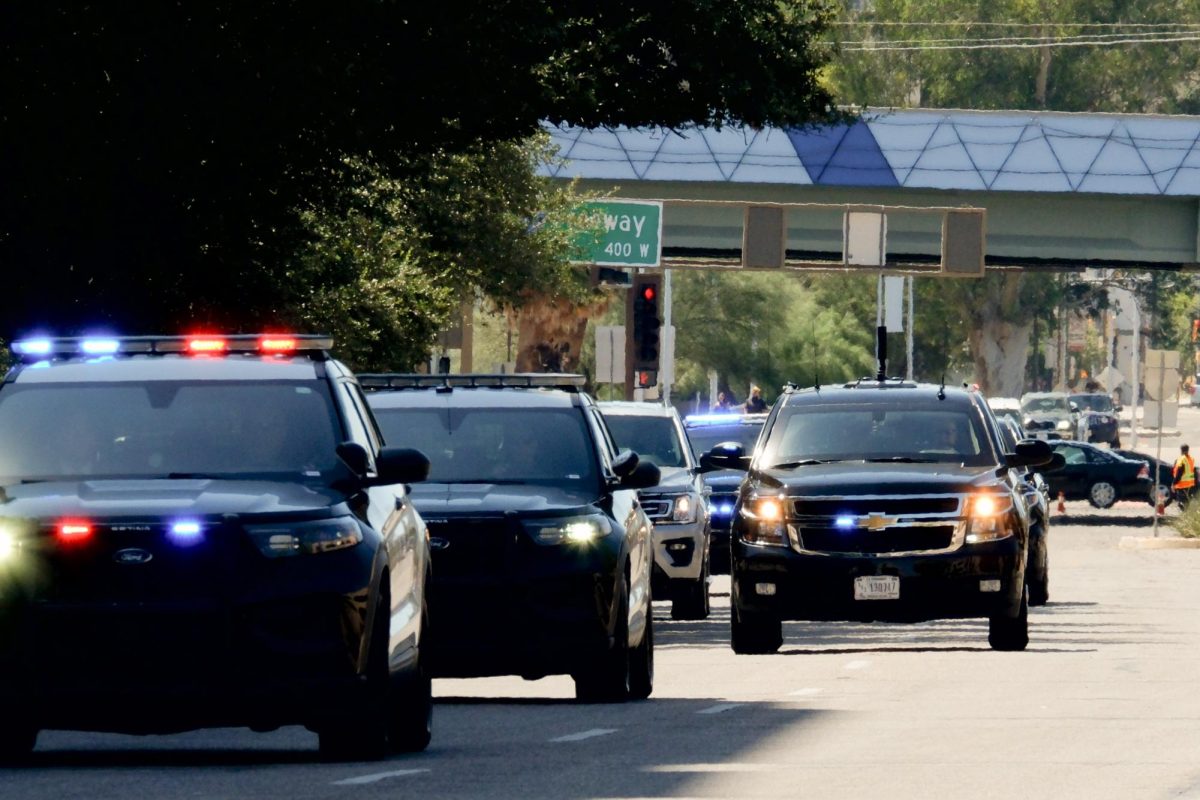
(354, 421)
(368, 419)
(604, 440)
(1072, 455)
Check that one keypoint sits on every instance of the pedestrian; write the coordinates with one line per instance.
(754, 403)
(1183, 477)
(722, 403)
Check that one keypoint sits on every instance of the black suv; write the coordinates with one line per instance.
(206, 531)
(541, 551)
(879, 500)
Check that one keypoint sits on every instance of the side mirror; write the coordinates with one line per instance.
(1056, 462)
(1030, 453)
(625, 463)
(401, 465)
(726, 455)
(354, 456)
(1074, 408)
(644, 476)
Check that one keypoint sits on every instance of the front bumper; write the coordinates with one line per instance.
(679, 549)
(934, 586)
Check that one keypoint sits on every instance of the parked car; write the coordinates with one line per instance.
(1097, 419)
(1099, 476)
(705, 431)
(541, 550)
(1049, 415)
(676, 505)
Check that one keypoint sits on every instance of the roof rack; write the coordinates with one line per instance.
(378, 381)
(40, 348)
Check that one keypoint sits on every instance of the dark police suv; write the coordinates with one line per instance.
(879, 500)
(541, 551)
(206, 531)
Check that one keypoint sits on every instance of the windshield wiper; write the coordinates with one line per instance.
(900, 460)
(807, 462)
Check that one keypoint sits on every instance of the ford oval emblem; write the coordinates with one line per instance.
(132, 555)
(438, 543)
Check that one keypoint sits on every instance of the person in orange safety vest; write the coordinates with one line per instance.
(1184, 477)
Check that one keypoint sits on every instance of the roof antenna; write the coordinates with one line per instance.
(816, 382)
(942, 389)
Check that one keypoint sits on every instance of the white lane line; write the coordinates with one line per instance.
(808, 691)
(579, 737)
(378, 776)
(858, 664)
(720, 708)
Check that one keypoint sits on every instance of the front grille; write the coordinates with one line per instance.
(656, 508)
(1040, 425)
(877, 523)
(895, 540)
(475, 547)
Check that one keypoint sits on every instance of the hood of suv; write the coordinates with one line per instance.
(201, 497)
(857, 478)
(473, 499)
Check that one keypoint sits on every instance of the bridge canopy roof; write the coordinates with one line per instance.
(999, 151)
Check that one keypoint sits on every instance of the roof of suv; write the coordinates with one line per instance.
(866, 392)
(116, 369)
(477, 397)
(632, 409)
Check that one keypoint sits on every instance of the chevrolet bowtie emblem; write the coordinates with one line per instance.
(877, 522)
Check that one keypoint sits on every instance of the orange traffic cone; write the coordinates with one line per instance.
(1160, 508)
(1062, 503)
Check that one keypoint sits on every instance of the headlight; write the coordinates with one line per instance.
(296, 538)
(1063, 425)
(989, 518)
(683, 509)
(572, 530)
(766, 524)
(8, 544)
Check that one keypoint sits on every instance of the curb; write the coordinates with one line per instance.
(1161, 543)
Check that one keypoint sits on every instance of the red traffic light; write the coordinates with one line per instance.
(648, 292)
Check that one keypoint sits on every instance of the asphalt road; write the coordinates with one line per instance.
(1102, 704)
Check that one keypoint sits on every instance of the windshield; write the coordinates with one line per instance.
(488, 445)
(654, 439)
(1044, 404)
(706, 437)
(866, 432)
(165, 429)
(1093, 402)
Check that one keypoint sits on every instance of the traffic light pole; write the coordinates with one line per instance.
(666, 377)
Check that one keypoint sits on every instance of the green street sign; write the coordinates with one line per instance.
(628, 234)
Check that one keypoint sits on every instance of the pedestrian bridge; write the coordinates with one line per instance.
(1061, 190)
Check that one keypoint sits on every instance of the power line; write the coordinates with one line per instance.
(1083, 37)
(1015, 46)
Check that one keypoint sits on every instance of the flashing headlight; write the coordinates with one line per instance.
(764, 522)
(299, 538)
(574, 530)
(989, 519)
(684, 509)
(100, 347)
(185, 532)
(844, 522)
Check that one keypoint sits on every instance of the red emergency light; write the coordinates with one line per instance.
(74, 530)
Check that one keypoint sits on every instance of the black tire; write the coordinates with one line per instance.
(1011, 633)
(17, 741)
(754, 634)
(607, 679)
(691, 602)
(410, 702)
(1102, 494)
(361, 734)
(641, 663)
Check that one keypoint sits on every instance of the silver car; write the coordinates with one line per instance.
(677, 505)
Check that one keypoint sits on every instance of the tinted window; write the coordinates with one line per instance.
(166, 427)
(852, 432)
(1093, 402)
(706, 437)
(653, 438)
(1035, 405)
(486, 445)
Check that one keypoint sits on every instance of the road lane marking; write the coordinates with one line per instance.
(720, 708)
(378, 776)
(579, 737)
(808, 691)
(858, 664)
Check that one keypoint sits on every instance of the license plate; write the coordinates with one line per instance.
(877, 587)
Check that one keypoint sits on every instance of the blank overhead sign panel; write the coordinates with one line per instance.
(947, 241)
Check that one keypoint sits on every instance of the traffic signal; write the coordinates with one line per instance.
(645, 324)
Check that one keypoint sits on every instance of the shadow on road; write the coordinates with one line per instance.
(1125, 521)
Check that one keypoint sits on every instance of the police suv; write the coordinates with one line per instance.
(206, 531)
(879, 500)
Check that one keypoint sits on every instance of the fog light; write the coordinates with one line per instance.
(678, 546)
(989, 586)
(766, 589)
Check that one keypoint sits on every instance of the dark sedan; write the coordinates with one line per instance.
(1162, 469)
(1099, 476)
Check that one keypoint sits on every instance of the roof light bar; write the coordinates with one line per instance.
(44, 347)
(376, 381)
